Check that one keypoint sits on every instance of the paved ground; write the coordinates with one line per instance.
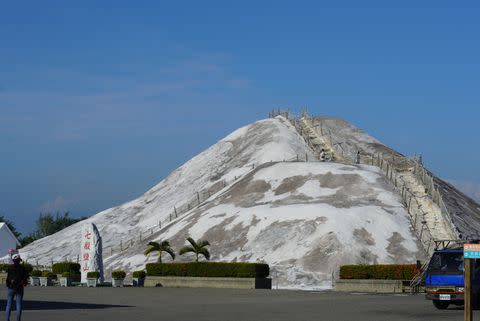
(139, 304)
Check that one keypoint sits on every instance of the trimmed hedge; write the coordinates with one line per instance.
(209, 269)
(119, 274)
(93, 275)
(68, 275)
(139, 274)
(59, 268)
(379, 272)
(28, 267)
(49, 274)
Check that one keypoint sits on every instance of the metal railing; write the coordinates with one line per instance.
(423, 175)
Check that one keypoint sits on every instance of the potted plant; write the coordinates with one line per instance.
(46, 278)
(66, 279)
(139, 278)
(92, 279)
(35, 277)
(117, 278)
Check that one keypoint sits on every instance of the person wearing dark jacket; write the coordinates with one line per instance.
(16, 280)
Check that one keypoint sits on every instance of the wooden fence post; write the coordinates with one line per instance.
(468, 315)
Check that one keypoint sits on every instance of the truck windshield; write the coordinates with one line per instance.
(446, 263)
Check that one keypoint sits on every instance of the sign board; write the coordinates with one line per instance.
(471, 251)
(91, 251)
(87, 249)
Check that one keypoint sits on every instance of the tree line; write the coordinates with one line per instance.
(46, 224)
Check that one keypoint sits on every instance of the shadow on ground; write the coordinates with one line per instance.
(56, 305)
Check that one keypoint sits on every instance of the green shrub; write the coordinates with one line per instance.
(49, 274)
(139, 274)
(28, 267)
(69, 275)
(59, 268)
(119, 274)
(379, 272)
(93, 275)
(209, 269)
(36, 273)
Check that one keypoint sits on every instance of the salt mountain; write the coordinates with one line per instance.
(304, 219)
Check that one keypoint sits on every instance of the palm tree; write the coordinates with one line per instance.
(160, 248)
(199, 247)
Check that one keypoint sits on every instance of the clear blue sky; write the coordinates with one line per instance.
(101, 100)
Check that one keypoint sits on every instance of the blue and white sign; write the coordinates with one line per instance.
(471, 251)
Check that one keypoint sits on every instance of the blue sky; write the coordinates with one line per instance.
(100, 101)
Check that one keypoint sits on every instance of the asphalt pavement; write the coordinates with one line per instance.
(139, 304)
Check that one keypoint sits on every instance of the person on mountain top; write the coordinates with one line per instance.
(16, 280)
(322, 155)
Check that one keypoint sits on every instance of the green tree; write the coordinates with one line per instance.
(160, 248)
(48, 224)
(199, 248)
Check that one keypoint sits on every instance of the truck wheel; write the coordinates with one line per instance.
(441, 305)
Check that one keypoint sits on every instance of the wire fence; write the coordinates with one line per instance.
(432, 189)
(142, 234)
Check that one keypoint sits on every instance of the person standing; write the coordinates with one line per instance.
(17, 278)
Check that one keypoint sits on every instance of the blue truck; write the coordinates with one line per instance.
(444, 282)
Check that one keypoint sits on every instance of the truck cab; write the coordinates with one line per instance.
(444, 281)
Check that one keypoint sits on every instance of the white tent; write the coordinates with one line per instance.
(8, 241)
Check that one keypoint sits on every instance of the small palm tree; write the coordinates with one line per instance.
(160, 248)
(199, 247)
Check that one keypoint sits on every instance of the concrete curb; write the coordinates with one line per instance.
(371, 286)
(203, 282)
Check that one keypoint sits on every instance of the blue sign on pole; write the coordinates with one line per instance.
(471, 251)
